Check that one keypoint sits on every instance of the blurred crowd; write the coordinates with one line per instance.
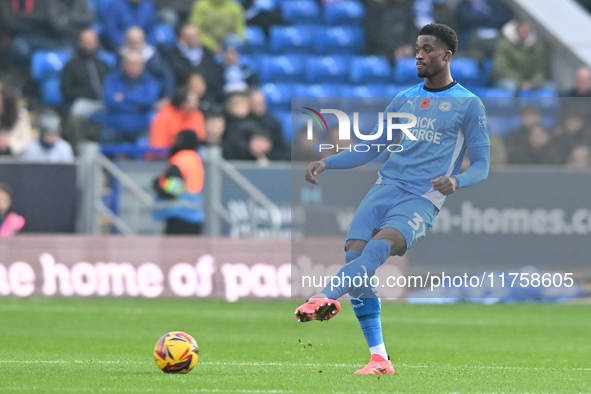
(124, 83)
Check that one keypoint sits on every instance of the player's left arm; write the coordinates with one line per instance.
(476, 134)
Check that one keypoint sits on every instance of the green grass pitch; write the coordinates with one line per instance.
(105, 345)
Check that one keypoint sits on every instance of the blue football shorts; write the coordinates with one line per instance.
(390, 206)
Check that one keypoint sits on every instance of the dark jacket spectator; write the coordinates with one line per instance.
(574, 131)
(189, 56)
(270, 124)
(303, 149)
(390, 28)
(263, 13)
(538, 148)
(67, 18)
(156, 65)
(216, 20)
(238, 127)
(207, 101)
(582, 86)
(84, 74)
(123, 14)
(130, 95)
(516, 141)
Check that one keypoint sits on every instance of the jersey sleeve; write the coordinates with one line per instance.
(475, 126)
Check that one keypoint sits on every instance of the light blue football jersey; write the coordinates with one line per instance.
(448, 121)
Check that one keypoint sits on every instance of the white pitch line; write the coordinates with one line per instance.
(304, 365)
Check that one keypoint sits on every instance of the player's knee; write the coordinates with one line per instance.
(355, 245)
(394, 238)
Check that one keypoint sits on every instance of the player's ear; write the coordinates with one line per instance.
(448, 55)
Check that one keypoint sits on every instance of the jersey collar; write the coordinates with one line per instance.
(451, 85)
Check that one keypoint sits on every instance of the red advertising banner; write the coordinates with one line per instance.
(224, 268)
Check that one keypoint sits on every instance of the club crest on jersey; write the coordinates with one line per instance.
(445, 106)
(425, 103)
(482, 121)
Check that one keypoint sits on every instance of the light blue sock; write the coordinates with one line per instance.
(367, 307)
(374, 254)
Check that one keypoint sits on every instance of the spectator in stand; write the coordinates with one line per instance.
(49, 147)
(207, 102)
(182, 181)
(268, 122)
(260, 146)
(189, 56)
(215, 126)
(516, 141)
(47, 24)
(574, 131)
(10, 222)
(156, 65)
(181, 114)
(390, 28)
(216, 20)
(538, 149)
(519, 60)
(304, 149)
(82, 87)
(263, 13)
(481, 22)
(238, 127)
(15, 123)
(237, 77)
(582, 86)
(580, 157)
(123, 14)
(130, 96)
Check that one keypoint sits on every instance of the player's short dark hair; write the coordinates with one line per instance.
(443, 33)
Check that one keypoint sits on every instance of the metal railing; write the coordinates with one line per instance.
(94, 167)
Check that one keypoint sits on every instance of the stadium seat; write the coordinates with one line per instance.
(46, 64)
(283, 68)
(370, 69)
(251, 62)
(466, 72)
(291, 39)
(364, 98)
(51, 93)
(165, 35)
(343, 13)
(300, 12)
(486, 72)
(284, 118)
(545, 98)
(278, 95)
(339, 39)
(254, 40)
(319, 96)
(496, 100)
(327, 69)
(392, 90)
(405, 72)
(108, 57)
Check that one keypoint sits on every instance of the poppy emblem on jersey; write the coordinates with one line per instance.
(445, 106)
(425, 103)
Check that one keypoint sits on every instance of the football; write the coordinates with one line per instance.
(176, 352)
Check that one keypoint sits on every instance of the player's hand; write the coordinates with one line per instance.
(315, 168)
(445, 185)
